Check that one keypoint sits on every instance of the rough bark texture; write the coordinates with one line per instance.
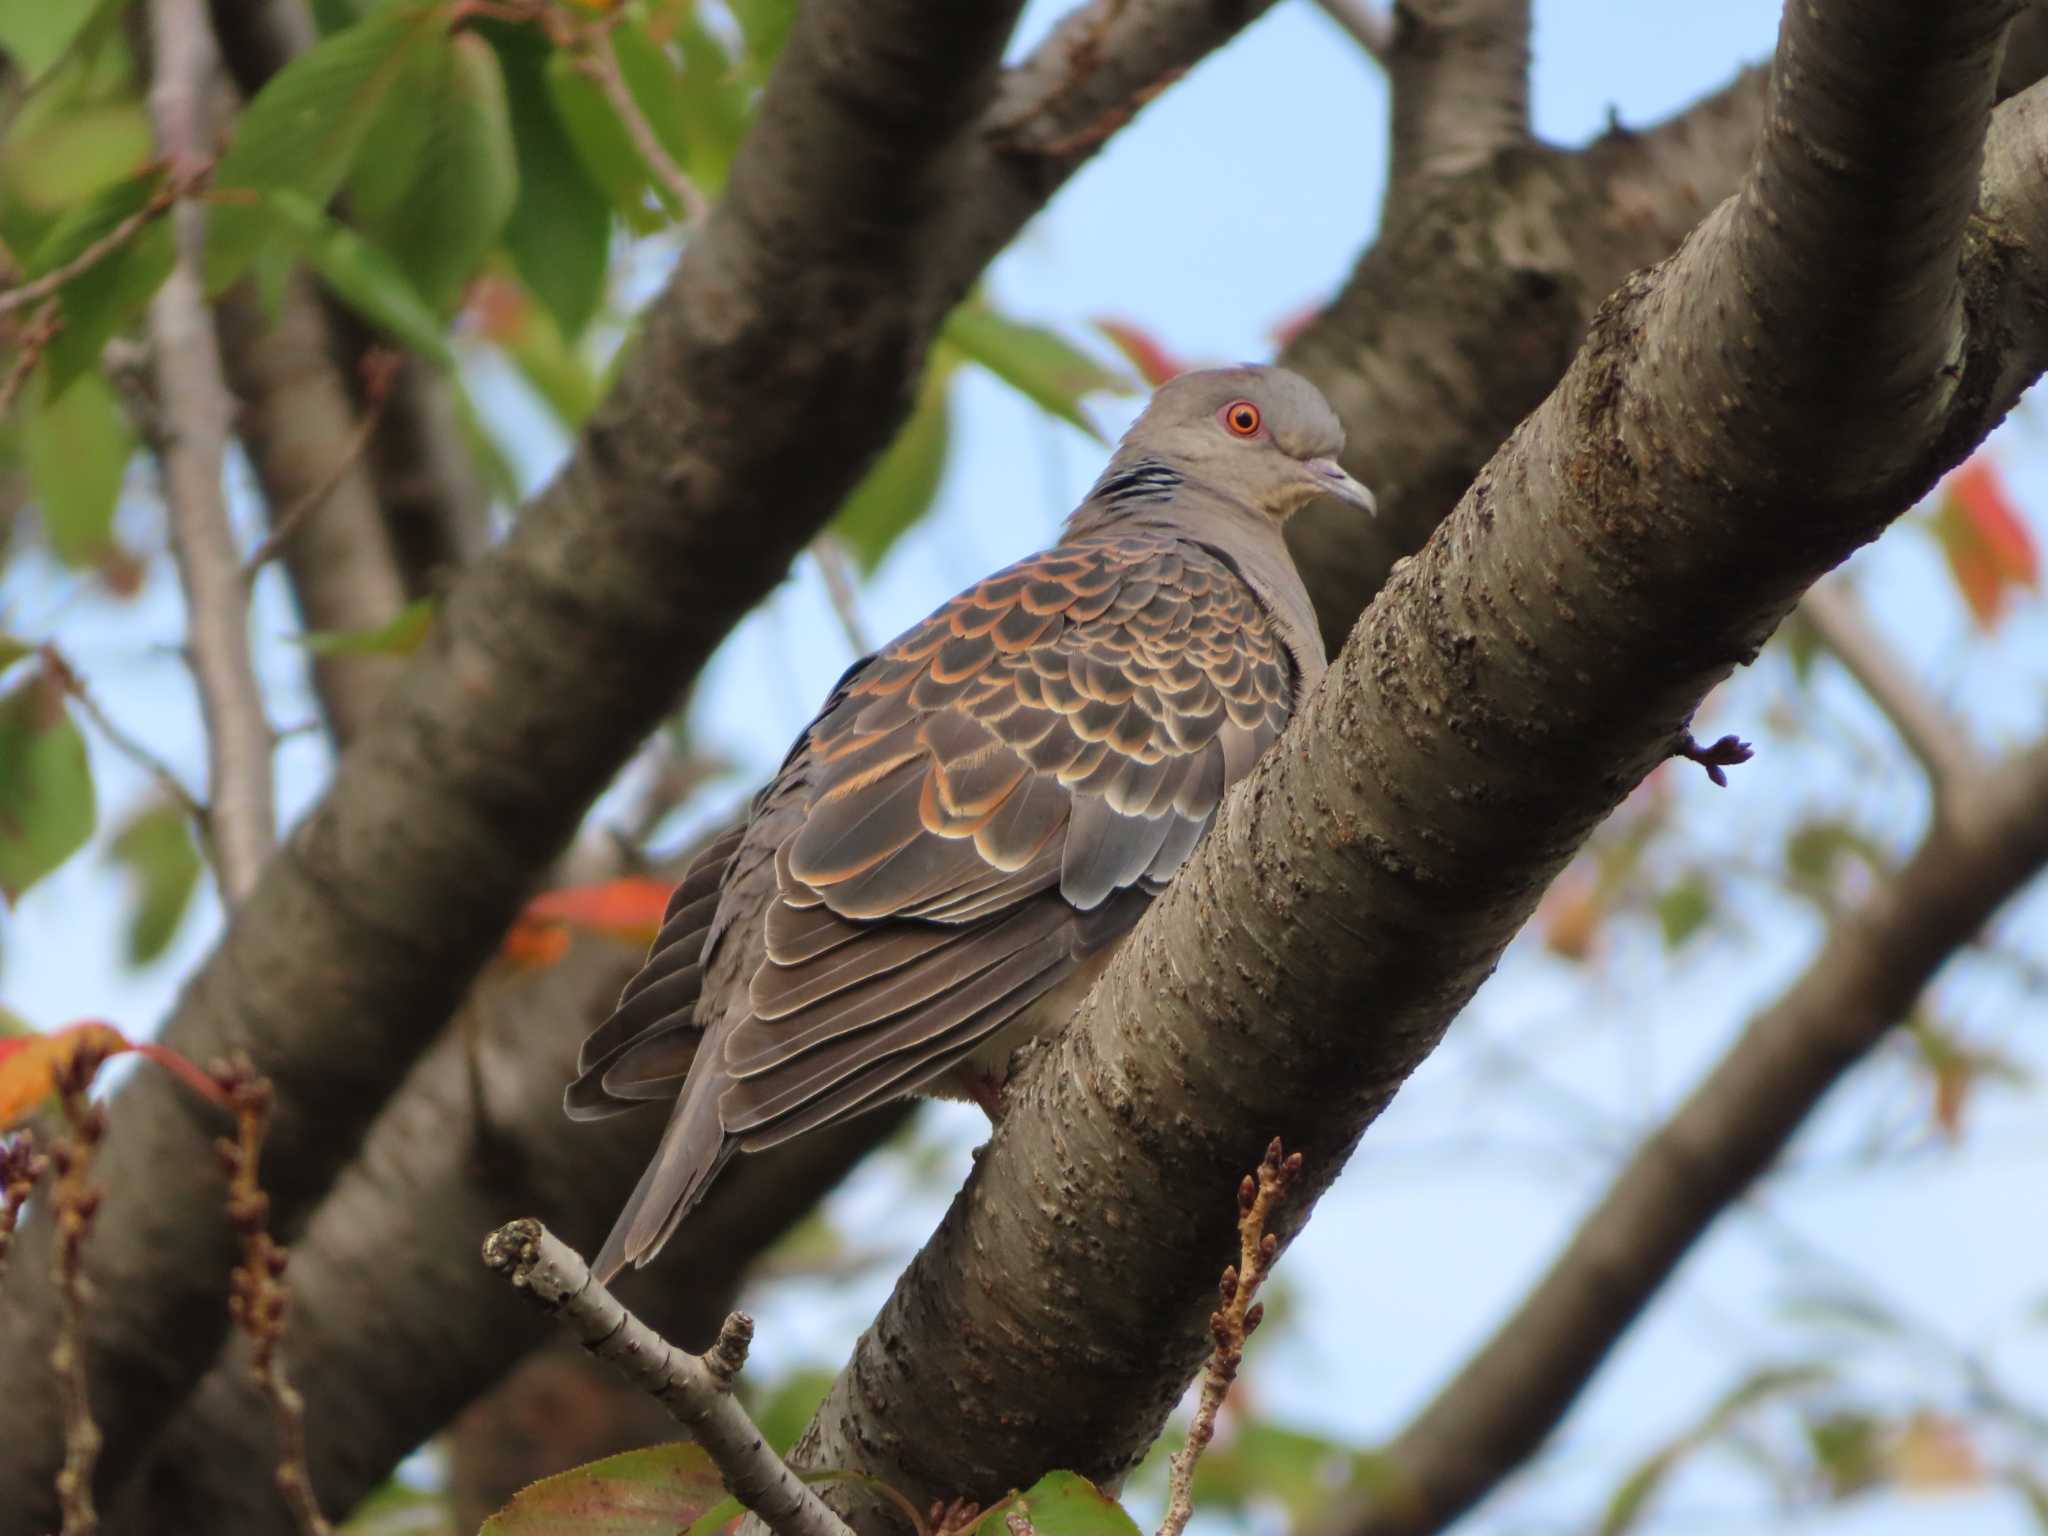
(1501, 1405)
(1740, 419)
(299, 426)
(390, 1335)
(1461, 318)
(783, 353)
(1459, 75)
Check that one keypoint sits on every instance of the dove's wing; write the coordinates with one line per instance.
(985, 803)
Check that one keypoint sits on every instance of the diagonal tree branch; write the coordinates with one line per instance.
(867, 197)
(1621, 554)
(197, 412)
(1459, 74)
(1498, 1409)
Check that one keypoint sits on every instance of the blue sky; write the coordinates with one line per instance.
(1241, 196)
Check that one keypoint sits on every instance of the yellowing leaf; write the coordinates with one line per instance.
(399, 637)
(653, 1492)
(1935, 1454)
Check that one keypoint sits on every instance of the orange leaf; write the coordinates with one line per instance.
(629, 909)
(1988, 543)
(1935, 1453)
(1570, 915)
(1152, 360)
(29, 1063)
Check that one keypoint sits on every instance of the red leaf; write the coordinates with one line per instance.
(1987, 542)
(1152, 360)
(629, 909)
(1292, 324)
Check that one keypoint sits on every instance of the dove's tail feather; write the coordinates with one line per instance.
(693, 1149)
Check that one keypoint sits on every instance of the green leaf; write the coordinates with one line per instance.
(156, 848)
(1848, 1447)
(59, 159)
(714, 104)
(438, 174)
(601, 142)
(653, 1492)
(400, 636)
(1036, 362)
(362, 276)
(1816, 852)
(554, 370)
(1063, 1504)
(13, 650)
(46, 794)
(394, 1509)
(100, 300)
(656, 89)
(1685, 908)
(76, 450)
(35, 33)
(305, 128)
(900, 486)
(764, 28)
(559, 234)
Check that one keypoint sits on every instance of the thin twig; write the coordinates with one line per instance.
(40, 333)
(66, 678)
(591, 49)
(257, 1295)
(74, 1202)
(47, 285)
(1371, 26)
(697, 1389)
(21, 1168)
(830, 553)
(1937, 738)
(1232, 1323)
(197, 413)
(380, 366)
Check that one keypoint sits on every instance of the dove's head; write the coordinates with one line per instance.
(1265, 435)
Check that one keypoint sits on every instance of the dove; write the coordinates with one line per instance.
(983, 808)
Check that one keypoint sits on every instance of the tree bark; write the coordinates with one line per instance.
(1742, 417)
(871, 190)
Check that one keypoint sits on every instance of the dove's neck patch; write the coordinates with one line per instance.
(1136, 484)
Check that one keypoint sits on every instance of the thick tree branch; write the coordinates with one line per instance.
(1461, 318)
(1458, 72)
(1619, 556)
(1502, 1404)
(867, 197)
(697, 1389)
(1370, 24)
(197, 413)
(300, 428)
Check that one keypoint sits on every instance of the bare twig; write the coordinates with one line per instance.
(197, 414)
(21, 1168)
(1933, 735)
(40, 333)
(74, 1202)
(590, 47)
(1232, 1323)
(830, 553)
(257, 1296)
(697, 1389)
(1370, 25)
(167, 780)
(380, 367)
(99, 250)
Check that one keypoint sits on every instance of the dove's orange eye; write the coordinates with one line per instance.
(1242, 417)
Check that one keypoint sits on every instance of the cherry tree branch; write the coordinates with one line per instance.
(1937, 738)
(697, 1389)
(1500, 1406)
(1459, 74)
(1371, 25)
(1640, 535)
(197, 413)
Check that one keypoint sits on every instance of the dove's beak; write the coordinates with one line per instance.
(1329, 479)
